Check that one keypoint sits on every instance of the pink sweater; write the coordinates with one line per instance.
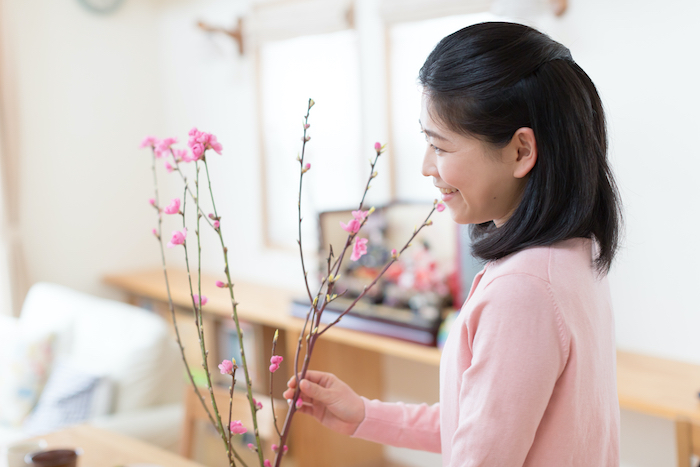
(527, 375)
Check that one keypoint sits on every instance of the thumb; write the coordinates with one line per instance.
(315, 391)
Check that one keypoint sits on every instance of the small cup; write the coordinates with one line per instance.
(18, 451)
(53, 458)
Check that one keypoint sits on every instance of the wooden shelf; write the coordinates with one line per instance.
(260, 304)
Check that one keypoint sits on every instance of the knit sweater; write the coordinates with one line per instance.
(527, 374)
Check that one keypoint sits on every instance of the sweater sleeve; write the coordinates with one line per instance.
(402, 425)
(519, 347)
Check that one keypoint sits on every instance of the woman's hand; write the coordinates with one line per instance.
(330, 400)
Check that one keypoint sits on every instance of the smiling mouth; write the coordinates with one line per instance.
(447, 191)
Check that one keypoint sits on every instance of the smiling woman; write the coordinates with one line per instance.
(514, 94)
(517, 147)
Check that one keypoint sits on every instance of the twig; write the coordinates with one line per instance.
(272, 399)
(234, 315)
(170, 300)
(230, 412)
(301, 178)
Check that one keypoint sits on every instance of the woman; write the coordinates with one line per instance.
(517, 145)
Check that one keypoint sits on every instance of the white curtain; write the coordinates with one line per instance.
(13, 278)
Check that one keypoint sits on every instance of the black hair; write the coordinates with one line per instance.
(490, 79)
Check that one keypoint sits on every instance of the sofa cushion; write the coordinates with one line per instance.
(25, 358)
(71, 395)
(122, 342)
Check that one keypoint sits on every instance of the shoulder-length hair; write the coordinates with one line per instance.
(490, 79)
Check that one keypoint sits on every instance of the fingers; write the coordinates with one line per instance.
(315, 391)
(311, 375)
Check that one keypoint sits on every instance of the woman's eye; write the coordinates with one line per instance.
(436, 149)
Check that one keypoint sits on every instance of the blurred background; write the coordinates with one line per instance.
(83, 81)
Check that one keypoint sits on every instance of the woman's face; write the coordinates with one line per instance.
(478, 183)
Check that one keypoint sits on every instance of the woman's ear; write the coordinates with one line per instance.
(524, 146)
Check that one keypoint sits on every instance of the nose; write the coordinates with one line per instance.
(428, 169)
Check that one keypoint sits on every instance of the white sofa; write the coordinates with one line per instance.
(131, 350)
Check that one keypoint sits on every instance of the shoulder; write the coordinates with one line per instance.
(545, 263)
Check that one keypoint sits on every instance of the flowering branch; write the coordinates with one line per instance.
(302, 170)
(321, 300)
(234, 315)
(156, 203)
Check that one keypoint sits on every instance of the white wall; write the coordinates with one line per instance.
(87, 92)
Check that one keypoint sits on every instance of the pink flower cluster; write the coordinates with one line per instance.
(267, 463)
(237, 427)
(200, 141)
(275, 363)
(258, 405)
(226, 367)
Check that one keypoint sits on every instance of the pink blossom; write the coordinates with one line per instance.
(173, 207)
(275, 361)
(299, 403)
(440, 207)
(168, 167)
(359, 249)
(216, 225)
(163, 146)
(353, 226)
(178, 238)
(360, 215)
(257, 404)
(275, 448)
(197, 150)
(220, 284)
(155, 232)
(214, 144)
(226, 367)
(196, 299)
(394, 253)
(252, 447)
(180, 155)
(307, 166)
(237, 427)
(152, 202)
(306, 126)
(377, 146)
(267, 463)
(149, 141)
(285, 448)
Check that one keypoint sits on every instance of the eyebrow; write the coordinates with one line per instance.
(432, 134)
